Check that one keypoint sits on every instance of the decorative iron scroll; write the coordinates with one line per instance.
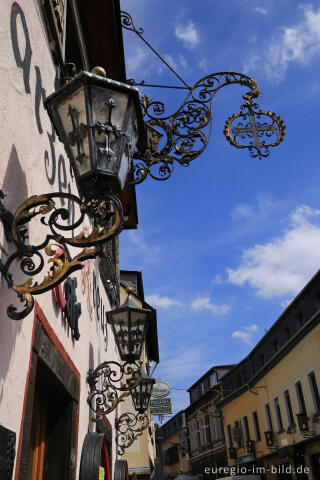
(105, 383)
(129, 427)
(105, 217)
(186, 133)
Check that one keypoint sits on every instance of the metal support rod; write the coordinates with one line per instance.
(127, 23)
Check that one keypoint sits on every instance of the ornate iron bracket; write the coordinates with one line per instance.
(104, 216)
(128, 428)
(185, 134)
(109, 384)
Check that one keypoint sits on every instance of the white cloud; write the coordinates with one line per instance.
(246, 334)
(188, 34)
(260, 210)
(169, 59)
(295, 44)
(137, 61)
(162, 302)
(204, 303)
(283, 265)
(203, 64)
(217, 280)
(261, 10)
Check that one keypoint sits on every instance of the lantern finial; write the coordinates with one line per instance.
(99, 71)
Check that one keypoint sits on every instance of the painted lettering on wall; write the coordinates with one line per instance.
(24, 61)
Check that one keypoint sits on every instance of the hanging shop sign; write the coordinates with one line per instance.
(161, 410)
(160, 389)
(72, 309)
(161, 402)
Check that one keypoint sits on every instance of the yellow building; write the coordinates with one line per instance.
(271, 409)
(142, 453)
(174, 448)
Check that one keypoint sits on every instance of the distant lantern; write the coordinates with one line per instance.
(129, 324)
(141, 394)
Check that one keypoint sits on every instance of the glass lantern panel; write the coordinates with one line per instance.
(120, 326)
(108, 110)
(137, 332)
(73, 116)
(130, 144)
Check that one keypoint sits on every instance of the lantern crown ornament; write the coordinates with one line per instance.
(100, 123)
(129, 324)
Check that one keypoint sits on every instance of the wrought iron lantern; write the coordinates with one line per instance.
(141, 393)
(129, 324)
(100, 123)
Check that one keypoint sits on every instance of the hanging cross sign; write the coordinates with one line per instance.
(261, 135)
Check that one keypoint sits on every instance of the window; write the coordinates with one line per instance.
(213, 379)
(256, 426)
(268, 417)
(229, 435)
(314, 391)
(289, 410)
(215, 426)
(278, 414)
(193, 437)
(202, 432)
(237, 433)
(300, 397)
(246, 428)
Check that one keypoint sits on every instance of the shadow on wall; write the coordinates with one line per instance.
(15, 187)
(91, 424)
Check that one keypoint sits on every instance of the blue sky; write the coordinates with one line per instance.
(226, 243)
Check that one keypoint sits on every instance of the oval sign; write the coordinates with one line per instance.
(160, 390)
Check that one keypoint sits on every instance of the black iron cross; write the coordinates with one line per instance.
(107, 129)
(254, 129)
(77, 134)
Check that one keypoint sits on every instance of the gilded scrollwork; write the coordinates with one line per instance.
(105, 216)
(109, 384)
(129, 427)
